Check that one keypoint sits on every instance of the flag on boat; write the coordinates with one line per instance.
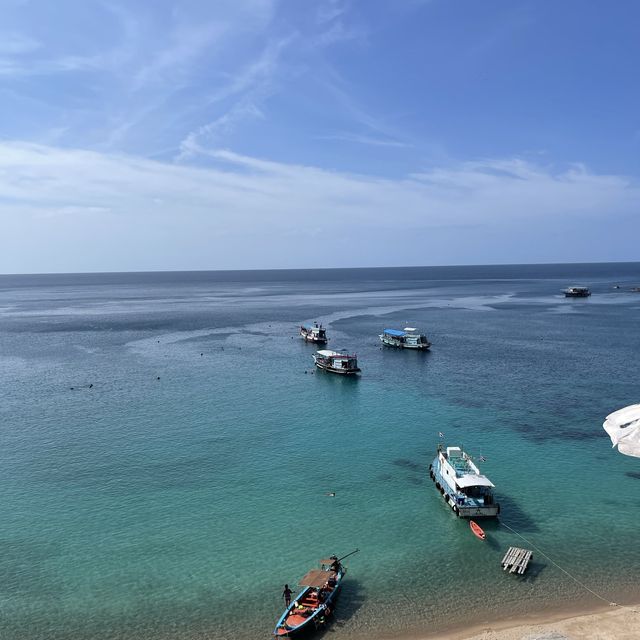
(623, 427)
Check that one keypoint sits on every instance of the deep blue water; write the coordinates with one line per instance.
(178, 507)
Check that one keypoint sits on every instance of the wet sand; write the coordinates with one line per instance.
(606, 623)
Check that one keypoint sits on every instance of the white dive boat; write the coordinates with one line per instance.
(314, 333)
(336, 361)
(464, 488)
(408, 338)
(576, 292)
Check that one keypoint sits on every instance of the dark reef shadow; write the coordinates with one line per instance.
(408, 464)
(533, 571)
(512, 515)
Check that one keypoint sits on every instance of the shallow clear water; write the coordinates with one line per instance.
(179, 507)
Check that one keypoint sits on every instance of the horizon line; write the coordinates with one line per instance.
(416, 266)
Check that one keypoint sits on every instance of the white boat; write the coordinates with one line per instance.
(576, 292)
(464, 488)
(336, 362)
(314, 333)
(408, 338)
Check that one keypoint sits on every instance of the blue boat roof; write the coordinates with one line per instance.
(394, 332)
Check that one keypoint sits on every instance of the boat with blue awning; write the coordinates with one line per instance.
(407, 338)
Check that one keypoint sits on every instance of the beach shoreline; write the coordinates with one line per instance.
(605, 622)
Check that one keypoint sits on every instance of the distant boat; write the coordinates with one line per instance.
(314, 333)
(477, 530)
(408, 338)
(336, 362)
(577, 292)
(315, 603)
(636, 289)
(464, 488)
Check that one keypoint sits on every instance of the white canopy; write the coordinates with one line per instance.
(473, 481)
(623, 427)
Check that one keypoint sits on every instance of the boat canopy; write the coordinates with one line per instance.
(327, 353)
(316, 578)
(474, 481)
(394, 332)
(623, 427)
(410, 329)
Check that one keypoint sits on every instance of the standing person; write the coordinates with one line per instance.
(286, 594)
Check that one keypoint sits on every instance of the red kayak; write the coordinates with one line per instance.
(477, 530)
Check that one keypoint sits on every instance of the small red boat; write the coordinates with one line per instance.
(477, 530)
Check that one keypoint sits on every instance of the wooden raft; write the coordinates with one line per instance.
(516, 560)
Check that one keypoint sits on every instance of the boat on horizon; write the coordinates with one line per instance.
(576, 292)
(315, 333)
(315, 603)
(336, 361)
(464, 488)
(408, 338)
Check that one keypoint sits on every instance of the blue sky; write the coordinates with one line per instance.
(272, 134)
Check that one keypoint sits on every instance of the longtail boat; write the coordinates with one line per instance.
(315, 603)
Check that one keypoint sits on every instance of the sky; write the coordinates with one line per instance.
(246, 134)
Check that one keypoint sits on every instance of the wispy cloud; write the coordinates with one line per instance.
(368, 140)
(250, 87)
(152, 203)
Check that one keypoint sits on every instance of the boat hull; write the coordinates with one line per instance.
(313, 339)
(467, 509)
(343, 372)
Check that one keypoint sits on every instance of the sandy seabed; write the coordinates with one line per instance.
(612, 623)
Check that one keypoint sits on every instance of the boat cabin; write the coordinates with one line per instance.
(336, 361)
(407, 338)
(468, 492)
(314, 333)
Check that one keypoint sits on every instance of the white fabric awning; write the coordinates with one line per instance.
(474, 481)
(623, 427)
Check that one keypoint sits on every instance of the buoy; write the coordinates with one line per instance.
(158, 378)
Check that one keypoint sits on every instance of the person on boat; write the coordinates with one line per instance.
(286, 594)
(335, 565)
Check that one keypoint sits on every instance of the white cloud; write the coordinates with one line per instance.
(137, 209)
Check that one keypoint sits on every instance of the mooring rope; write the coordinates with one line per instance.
(553, 562)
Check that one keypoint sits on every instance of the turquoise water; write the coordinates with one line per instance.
(178, 507)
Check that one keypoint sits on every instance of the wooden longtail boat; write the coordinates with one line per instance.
(477, 530)
(315, 603)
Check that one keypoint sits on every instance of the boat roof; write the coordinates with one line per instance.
(327, 353)
(315, 578)
(394, 332)
(410, 329)
(473, 480)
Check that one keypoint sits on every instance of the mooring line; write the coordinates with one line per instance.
(584, 586)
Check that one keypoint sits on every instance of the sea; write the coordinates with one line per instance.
(167, 448)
